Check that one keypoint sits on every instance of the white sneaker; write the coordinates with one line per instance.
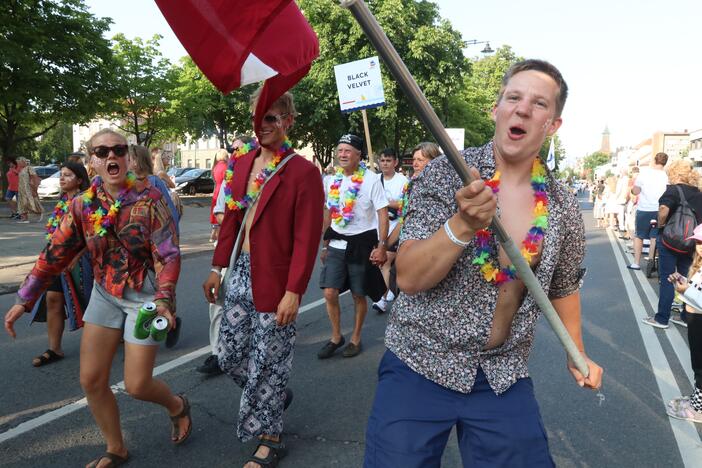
(380, 306)
(678, 321)
(389, 297)
(654, 323)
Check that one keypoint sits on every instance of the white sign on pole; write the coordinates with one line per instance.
(360, 84)
(457, 136)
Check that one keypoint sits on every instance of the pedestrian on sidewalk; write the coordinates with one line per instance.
(218, 170)
(356, 216)
(681, 175)
(12, 188)
(127, 227)
(460, 334)
(69, 293)
(269, 238)
(394, 185)
(649, 186)
(211, 364)
(28, 199)
(690, 292)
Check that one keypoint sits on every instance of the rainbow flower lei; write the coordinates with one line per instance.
(404, 202)
(54, 220)
(530, 244)
(100, 218)
(250, 196)
(342, 216)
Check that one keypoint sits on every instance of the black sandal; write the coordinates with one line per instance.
(185, 413)
(115, 460)
(47, 357)
(275, 454)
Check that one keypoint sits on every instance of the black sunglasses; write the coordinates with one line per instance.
(104, 151)
(271, 118)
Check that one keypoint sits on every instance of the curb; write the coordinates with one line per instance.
(14, 287)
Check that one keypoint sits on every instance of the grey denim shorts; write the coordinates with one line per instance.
(337, 273)
(108, 311)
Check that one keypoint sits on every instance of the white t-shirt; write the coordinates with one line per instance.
(393, 192)
(370, 199)
(652, 183)
(219, 204)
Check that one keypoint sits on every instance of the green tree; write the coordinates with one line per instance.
(479, 94)
(594, 160)
(430, 47)
(55, 144)
(205, 111)
(145, 87)
(55, 66)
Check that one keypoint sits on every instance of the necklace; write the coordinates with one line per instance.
(54, 220)
(530, 244)
(342, 216)
(100, 218)
(250, 196)
(404, 203)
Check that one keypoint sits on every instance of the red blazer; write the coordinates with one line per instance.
(285, 233)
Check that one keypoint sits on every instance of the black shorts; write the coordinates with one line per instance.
(56, 285)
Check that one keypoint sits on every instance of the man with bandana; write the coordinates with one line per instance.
(356, 215)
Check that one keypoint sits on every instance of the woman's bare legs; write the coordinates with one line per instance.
(97, 349)
(139, 382)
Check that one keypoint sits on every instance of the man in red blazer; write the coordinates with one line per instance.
(277, 247)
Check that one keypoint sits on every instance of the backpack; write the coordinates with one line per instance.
(679, 227)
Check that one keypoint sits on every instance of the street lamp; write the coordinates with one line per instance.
(486, 50)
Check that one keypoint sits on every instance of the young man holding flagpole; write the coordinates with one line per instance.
(269, 240)
(461, 330)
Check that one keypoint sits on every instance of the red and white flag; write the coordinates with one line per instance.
(238, 42)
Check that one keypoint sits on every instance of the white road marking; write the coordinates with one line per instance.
(685, 433)
(51, 416)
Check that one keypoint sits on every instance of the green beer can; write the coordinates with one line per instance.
(142, 327)
(159, 328)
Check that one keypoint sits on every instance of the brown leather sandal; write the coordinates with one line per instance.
(185, 413)
(114, 460)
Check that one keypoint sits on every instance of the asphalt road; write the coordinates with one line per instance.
(625, 426)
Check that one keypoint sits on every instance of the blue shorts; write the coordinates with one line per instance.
(412, 418)
(644, 230)
(10, 194)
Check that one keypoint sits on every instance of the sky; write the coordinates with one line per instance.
(634, 66)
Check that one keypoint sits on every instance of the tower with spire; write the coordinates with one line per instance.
(605, 142)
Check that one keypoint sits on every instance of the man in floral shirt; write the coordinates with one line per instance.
(461, 331)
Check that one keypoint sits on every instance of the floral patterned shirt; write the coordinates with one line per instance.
(144, 237)
(441, 333)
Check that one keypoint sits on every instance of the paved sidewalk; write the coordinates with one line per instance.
(20, 244)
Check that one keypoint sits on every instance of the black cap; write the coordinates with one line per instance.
(353, 140)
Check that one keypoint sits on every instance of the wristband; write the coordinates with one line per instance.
(453, 237)
(215, 270)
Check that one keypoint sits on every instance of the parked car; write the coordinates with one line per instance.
(177, 172)
(195, 181)
(49, 187)
(46, 171)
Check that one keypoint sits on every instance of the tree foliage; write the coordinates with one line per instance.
(55, 144)
(430, 47)
(205, 111)
(55, 66)
(145, 88)
(594, 160)
(479, 95)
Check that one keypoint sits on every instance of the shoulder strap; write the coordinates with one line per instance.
(683, 201)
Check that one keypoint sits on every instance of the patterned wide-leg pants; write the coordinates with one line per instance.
(257, 354)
